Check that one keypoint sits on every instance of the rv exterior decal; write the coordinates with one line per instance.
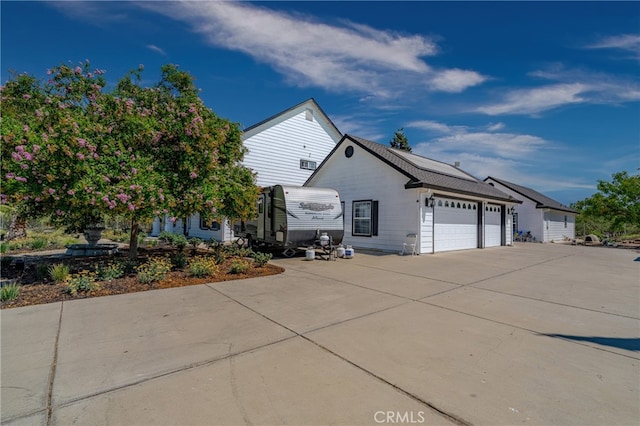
(316, 207)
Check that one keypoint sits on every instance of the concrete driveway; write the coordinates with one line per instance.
(530, 334)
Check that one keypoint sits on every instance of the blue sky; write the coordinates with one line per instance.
(544, 94)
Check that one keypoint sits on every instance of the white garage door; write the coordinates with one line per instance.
(492, 218)
(456, 224)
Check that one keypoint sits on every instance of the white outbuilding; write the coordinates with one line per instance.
(388, 194)
(546, 219)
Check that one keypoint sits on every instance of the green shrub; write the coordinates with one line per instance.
(166, 236)
(141, 237)
(203, 267)
(9, 292)
(261, 259)
(179, 260)
(234, 250)
(42, 271)
(4, 247)
(59, 272)
(111, 271)
(239, 266)
(180, 241)
(84, 281)
(153, 270)
(39, 243)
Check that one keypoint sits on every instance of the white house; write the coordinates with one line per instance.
(283, 149)
(546, 219)
(389, 193)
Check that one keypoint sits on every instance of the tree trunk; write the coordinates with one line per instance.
(17, 228)
(133, 240)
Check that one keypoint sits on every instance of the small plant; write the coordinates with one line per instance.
(4, 247)
(9, 292)
(166, 236)
(141, 237)
(154, 270)
(179, 260)
(84, 281)
(59, 272)
(239, 266)
(180, 241)
(42, 272)
(38, 243)
(261, 259)
(203, 267)
(111, 271)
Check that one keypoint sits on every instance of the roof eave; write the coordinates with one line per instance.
(414, 185)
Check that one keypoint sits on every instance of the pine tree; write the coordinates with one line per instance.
(400, 141)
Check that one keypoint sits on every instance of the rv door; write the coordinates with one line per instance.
(262, 216)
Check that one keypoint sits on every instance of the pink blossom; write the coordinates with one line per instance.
(105, 198)
(10, 175)
(78, 70)
(25, 128)
(132, 207)
(71, 192)
(24, 166)
(52, 191)
(38, 199)
(106, 179)
(173, 219)
(39, 113)
(36, 148)
(28, 156)
(118, 153)
(193, 175)
(134, 171)
(122, 197)
(80, 156)
(45, 137)
(26, 96)
(59, 212)
(81, 142)
(16, 156)
(20, 149)
(95, 156)
(21, 179)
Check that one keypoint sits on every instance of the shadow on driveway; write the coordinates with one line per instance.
(630, 344)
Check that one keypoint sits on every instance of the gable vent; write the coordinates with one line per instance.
(308, 114)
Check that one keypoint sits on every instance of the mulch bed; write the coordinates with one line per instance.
(36, 289)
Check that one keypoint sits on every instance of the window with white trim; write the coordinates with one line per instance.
(307, 165)
(213, 226)
(365, 218)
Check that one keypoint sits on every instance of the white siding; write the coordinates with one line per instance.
(425, 242)
(364, 177)
(554, 225)
(275, 152)
(544, 226)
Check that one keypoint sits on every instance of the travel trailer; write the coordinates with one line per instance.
(292, 217)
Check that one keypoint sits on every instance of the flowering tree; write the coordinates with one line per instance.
(75, 152)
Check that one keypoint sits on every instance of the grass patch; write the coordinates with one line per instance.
(9, 292)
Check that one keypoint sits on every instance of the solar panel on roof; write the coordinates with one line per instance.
(436, 166)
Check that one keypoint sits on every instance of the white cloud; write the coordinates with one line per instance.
(436, 127)
(351, 56)
(532, 101)
(156, 49)
(456, 80)
(494, 127)
(625, 42)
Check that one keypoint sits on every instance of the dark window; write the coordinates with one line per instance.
(307, 165)
(213, 226)
(565, 221)
(365, 218)
(348, 152)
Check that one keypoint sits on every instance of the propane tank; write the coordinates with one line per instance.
(349, 253)
(340, 251)
(324, 239)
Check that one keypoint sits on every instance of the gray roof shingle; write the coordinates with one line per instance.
(541, 200)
